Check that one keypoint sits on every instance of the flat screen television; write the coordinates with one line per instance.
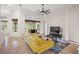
(55, 29)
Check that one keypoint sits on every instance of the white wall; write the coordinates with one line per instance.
(21, 15)
(14, 14)
(46, 20)
(74, 23)
(66, 17)
(56, 18)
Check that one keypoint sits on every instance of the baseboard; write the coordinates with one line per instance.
(71, 41)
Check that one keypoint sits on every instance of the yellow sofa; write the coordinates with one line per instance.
(38, 44)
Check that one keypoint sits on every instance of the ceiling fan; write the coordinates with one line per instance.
(43, 11)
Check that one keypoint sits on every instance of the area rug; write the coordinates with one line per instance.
(58, 47)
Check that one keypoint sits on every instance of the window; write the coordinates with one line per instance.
(15, 25)
(31, 24)
(4, 24)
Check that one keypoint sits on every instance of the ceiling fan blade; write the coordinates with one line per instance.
(47, 10)
(45, 13)
(38, 12)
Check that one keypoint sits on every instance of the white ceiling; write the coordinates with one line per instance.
(31, 7)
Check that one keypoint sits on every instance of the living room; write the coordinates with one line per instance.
(17, 19)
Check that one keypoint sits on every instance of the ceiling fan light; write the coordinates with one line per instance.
(42, 13)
